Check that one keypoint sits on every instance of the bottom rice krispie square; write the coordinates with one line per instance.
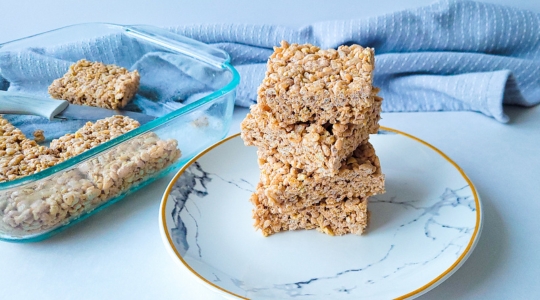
(328, 216)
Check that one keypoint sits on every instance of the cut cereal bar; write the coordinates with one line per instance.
(20, 156)
(309, 146)
(96, 84)
(129, 163)
(49, 202)
(306, 84)
(330, 217)
(92, 134)
(315, 111)
(55, 199)
(291, 188)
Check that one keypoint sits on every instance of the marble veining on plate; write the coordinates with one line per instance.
(193, 182)
(418, 228)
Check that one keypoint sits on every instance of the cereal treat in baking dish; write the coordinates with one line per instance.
(48, 202)
(328, 216)
(116, 170)
(128, 164)
(66, 194)
(20, 156)
(54, 200)
(310, 146)
(96, 84)
(287, 187)
(306, 84)
(92, 134)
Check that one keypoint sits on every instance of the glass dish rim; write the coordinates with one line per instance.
(228, 88)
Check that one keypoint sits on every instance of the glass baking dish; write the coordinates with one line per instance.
(197, 81)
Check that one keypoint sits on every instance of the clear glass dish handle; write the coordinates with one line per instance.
(190, 47)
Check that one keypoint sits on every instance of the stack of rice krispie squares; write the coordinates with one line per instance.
(316, 109)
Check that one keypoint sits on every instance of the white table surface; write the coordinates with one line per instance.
(118, 253)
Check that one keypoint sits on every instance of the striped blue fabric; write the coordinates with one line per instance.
(448, 56)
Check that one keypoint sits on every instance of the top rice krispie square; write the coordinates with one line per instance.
(306, 84)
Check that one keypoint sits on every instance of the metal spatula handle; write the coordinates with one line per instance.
(21, 104)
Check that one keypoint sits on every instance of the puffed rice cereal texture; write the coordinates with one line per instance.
(59, 198)
(309, 146)
(20, 156)
(92, 134)
(289, 188)
(306, 84)
(330, 217)
(96, 84)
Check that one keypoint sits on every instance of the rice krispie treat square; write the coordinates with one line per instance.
(306, 84)
(50, 201)
(126, 165)
(309, 146)
(20, 156)
(330, 217)
(92, 135)
(46, 203)
(289, 188)
(96, 84)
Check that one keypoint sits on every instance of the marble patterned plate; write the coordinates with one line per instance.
(421, 230)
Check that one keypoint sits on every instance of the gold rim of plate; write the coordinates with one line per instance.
(416, 292)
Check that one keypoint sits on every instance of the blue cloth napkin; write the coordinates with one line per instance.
(168, 81)
(448, 56)
(452, 55)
